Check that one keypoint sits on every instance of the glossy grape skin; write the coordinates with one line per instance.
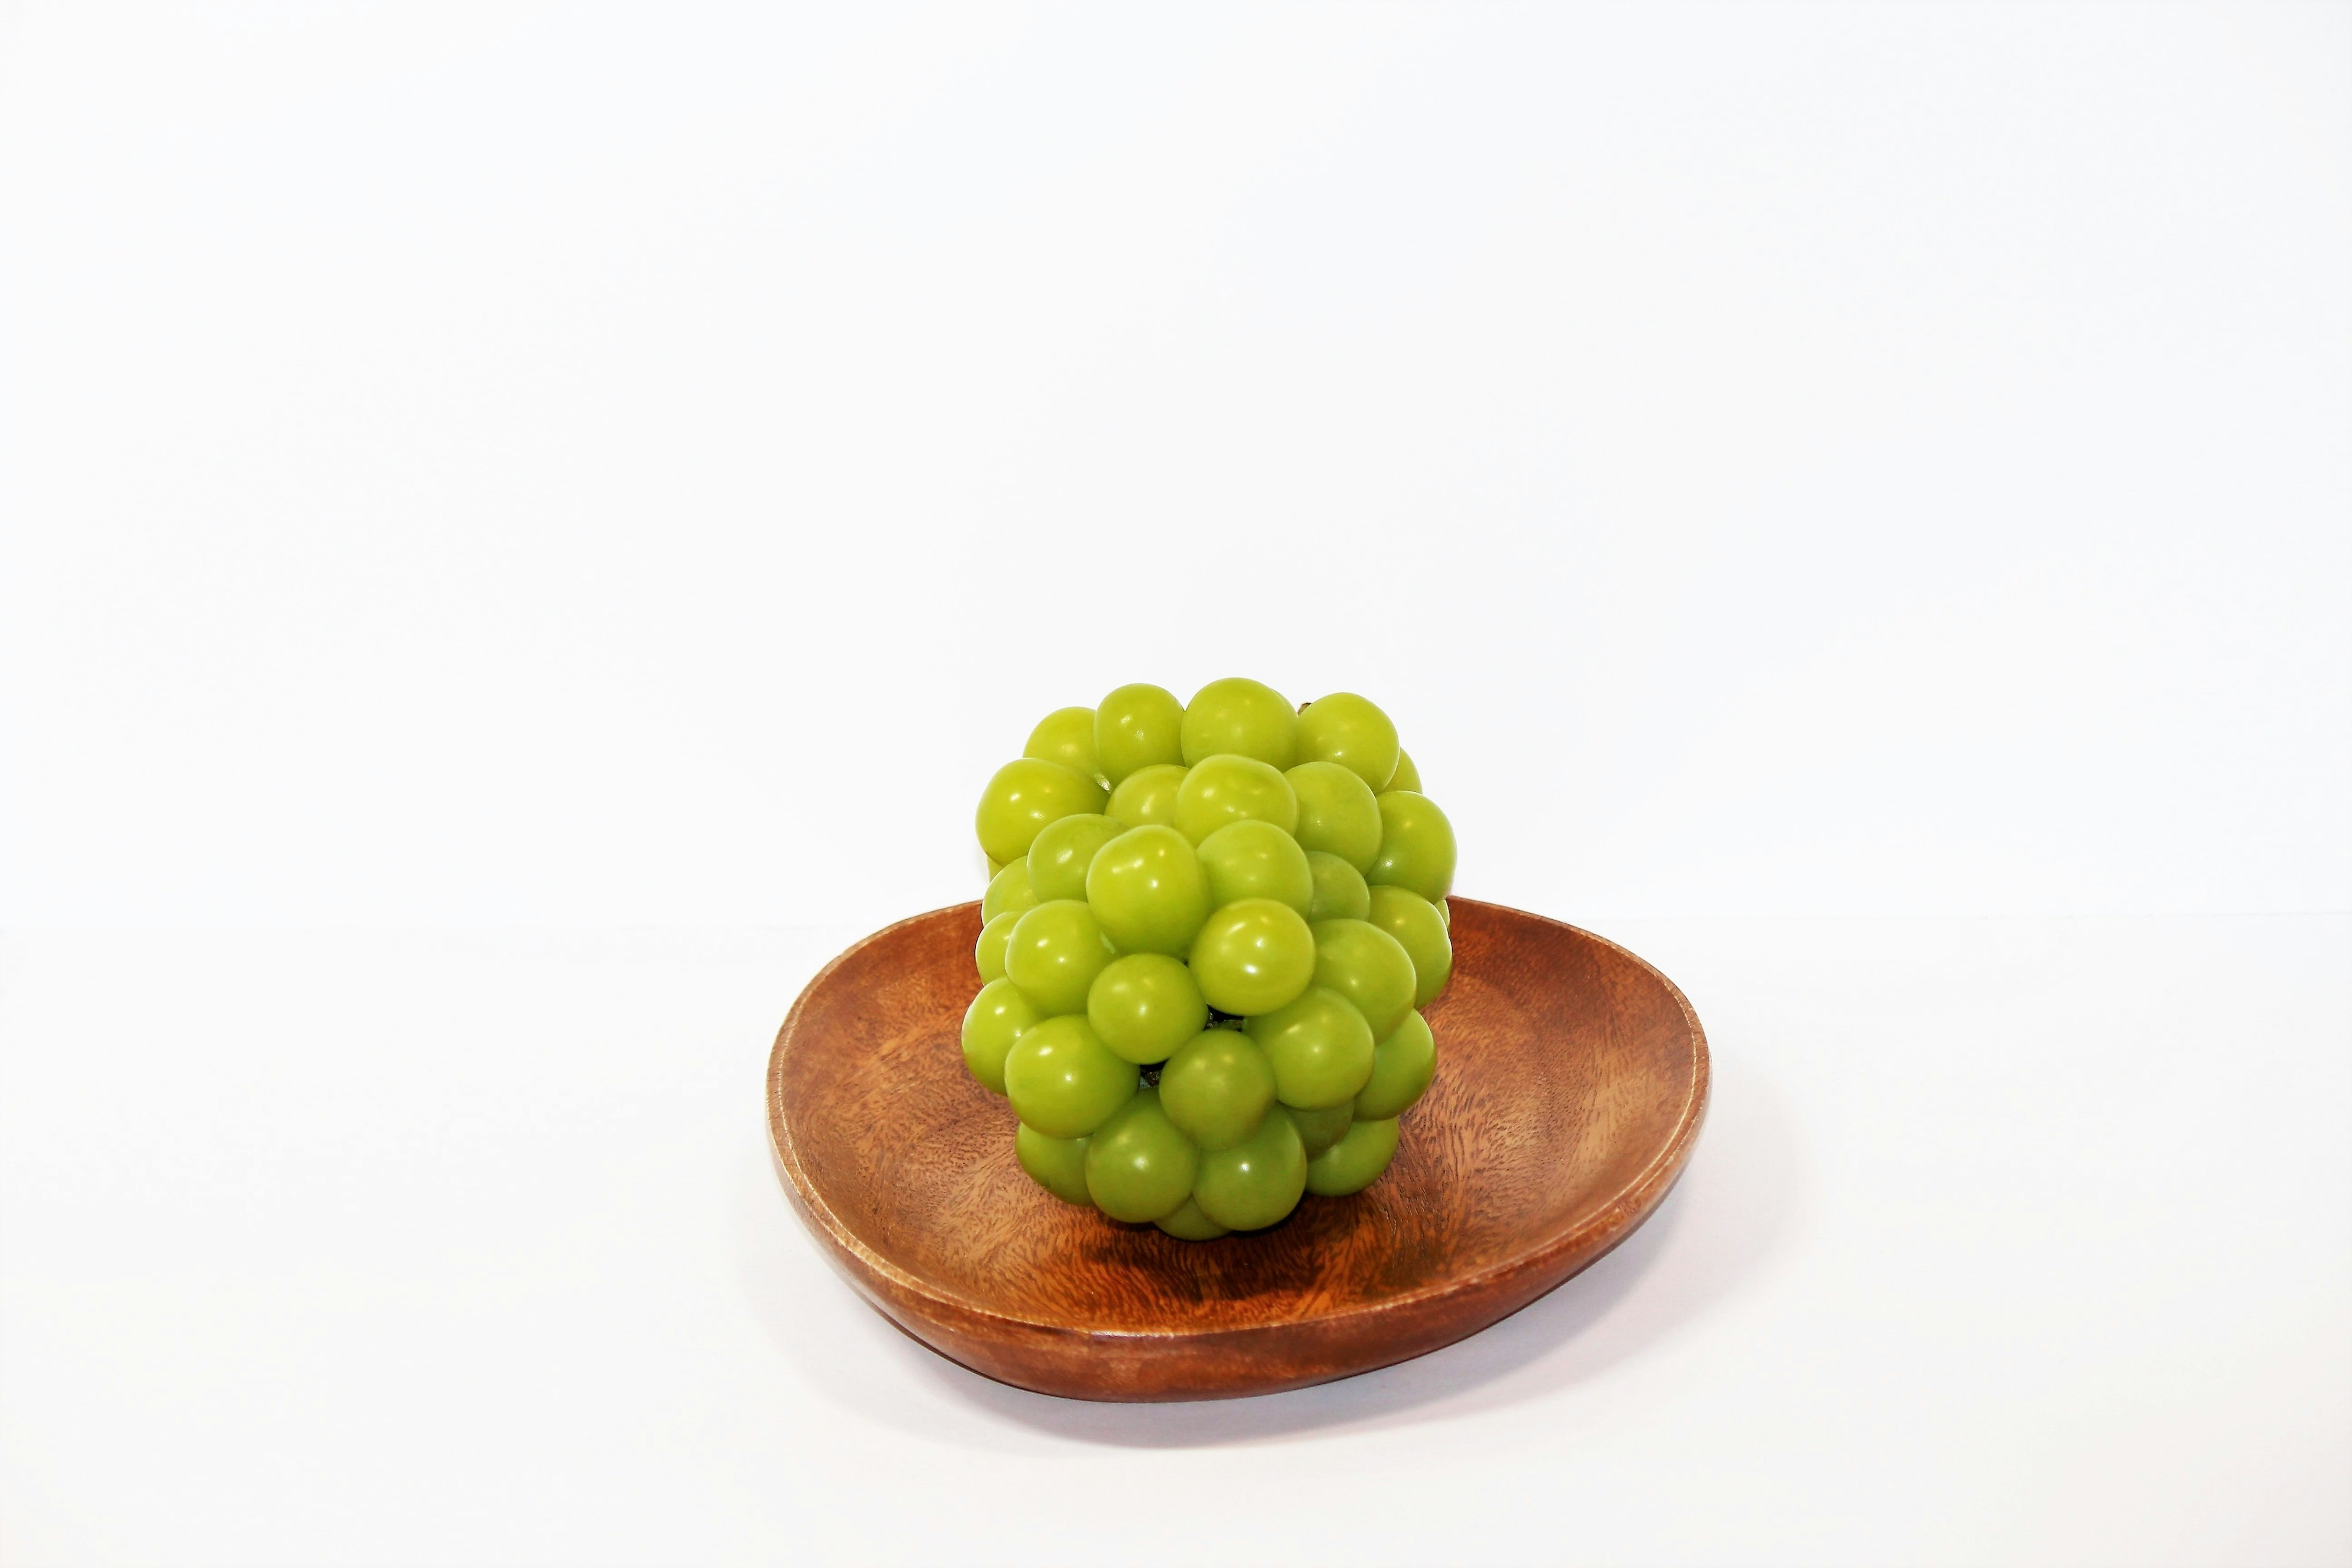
(1340, 893)
(1148, 796)
(1009, 889)
(1420, 930)
(1139, 1166)
(1067, 736)
(1444, 908)
(1338, 812)
(1256, 1181)
(1056, 1164)
(1352, 732)
(1338, 844)
(1366, 965)
(1318, 1130)
(1136, 727)
(998, 1016)
(1064, 1081)
(1145, 1005)
(1147, 888)
(1355, 1161)
(1402, 1066)
(1416, 846)
(1253, 957)
(1256, 861)
(1024, 795)
(1217, 1088)
(1053, 954)
(1189, 1223)
(1064, 848)
(1320, 1050)
(1245, 718)
(1227, 788)
(988, 953)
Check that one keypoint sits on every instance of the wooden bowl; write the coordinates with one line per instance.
(1572, 1080)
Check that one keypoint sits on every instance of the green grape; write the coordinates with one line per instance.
(1319, 1046)
(1252, 897)
(1024, 797)
(1189, 1223)
(995, 1019)
(1256, 861)
(1061, 1080)
(1355, 1161)
(1009, 889)
(988, 953)
(1242, 717)
(1318, 1130)
(1063, 849)
(1402, 1066)
(1366, 965)
(1227, 788)
(1340, 892)
(1053, 954)
(1145, 1005)
(1253, 956)
(1139, 1166)
(1420, 930)
(1257, 1180)
(1336, 813)
(1148, 796)
(1147, 888)
(1056, 1164)
(1416, 846)
(1344, 728)
(1136, 727)
(1216, 1087)
(1067, 736)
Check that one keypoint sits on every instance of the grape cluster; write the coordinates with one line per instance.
(1209, 929)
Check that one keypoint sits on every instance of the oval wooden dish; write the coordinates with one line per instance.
(1572, 1080)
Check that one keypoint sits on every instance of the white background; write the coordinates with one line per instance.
(522, 530)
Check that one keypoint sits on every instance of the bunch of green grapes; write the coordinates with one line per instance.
(1210, 928)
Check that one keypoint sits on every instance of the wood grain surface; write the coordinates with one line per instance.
(1572, 1081)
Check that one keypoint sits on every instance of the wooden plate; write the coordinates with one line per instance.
(1572, 1080)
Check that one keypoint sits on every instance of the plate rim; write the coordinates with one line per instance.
(1622, 1211)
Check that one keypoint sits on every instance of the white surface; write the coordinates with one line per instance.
(632, 464)
(2007, 1241)
(498, 471)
